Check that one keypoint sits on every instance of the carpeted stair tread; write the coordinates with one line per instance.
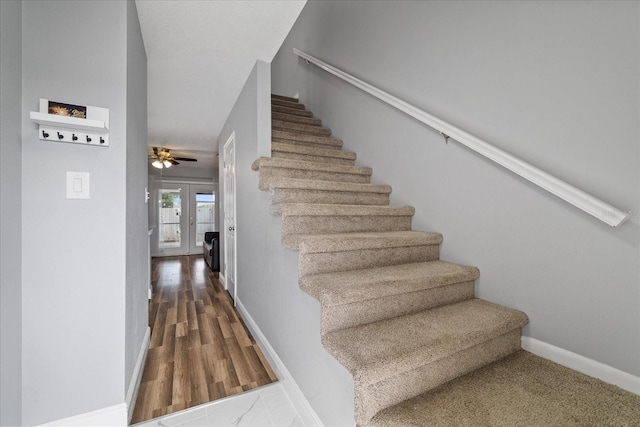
(347, 287)
(323, 243)
(519, 390)
(312, 151)
(295, 118)
(271, 167)
(301, 164)
(307, 218)
(379, 350)
(288, 104)
(283, 135)
(300, 128)
(306, 184)
(311, 209)
(291, 190)
(284, 98)
(325, 253)
(294, 111)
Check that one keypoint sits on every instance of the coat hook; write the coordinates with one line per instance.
(45, 134)
(101, 140)
(446, 137)
(74, 137)
(88, 139)
(60, 136)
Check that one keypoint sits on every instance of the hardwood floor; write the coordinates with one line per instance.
(199, 349)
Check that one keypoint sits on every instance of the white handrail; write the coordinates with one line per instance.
(588, 203)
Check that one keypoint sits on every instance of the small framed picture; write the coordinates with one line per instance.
(60, 109)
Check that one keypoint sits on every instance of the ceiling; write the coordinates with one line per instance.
(199, 55)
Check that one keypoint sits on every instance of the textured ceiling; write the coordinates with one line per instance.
(199, 55)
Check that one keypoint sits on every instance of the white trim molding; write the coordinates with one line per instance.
(570, 194)
(110, 416)
(136, 377)
(306, 412)
(583, 364)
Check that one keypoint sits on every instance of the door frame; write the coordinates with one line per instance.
(184, 223)
(230, 199)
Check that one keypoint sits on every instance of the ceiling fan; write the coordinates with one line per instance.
(163, 158)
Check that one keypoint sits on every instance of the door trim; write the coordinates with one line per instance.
(230, 141)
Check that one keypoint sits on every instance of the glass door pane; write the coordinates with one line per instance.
(205, 215)
(170, 214)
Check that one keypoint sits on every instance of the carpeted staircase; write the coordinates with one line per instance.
(402, 321)
(399, 319)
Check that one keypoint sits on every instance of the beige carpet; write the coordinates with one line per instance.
(401, 320)
(520, 390)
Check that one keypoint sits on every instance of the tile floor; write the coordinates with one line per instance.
(267, 406)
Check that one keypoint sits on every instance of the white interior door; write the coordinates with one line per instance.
(229, 162)
(202, 210)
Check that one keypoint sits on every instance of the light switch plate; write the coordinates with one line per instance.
(77, 185)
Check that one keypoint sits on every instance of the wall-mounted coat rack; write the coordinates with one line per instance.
(92, 129)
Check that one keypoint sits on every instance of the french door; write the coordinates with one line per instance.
(185, 213)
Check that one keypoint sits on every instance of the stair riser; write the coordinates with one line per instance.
(303, 137)
(282, 195)
(296, 119)
(292, 111)
(307, 132)
(371, 398)
(316, 224)
(300, 128)
(282, 103)
(310, 158)
(363, 312)
(284, 98)
(328, 262)
(310, 144)
(267, 172)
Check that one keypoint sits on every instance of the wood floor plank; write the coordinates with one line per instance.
(181, 391)
(199, 389)
(265, 363)
(200, 349)
(239, 362)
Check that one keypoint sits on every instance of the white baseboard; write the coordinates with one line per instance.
(115, 415)
(134, 384)
(306, 412)
(582, 364)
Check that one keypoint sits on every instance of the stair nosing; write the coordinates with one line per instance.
(305, 137)
(325, 209)
(284, 98)
(293, 111)
(375, 276)
(283, 183)
(339, 242)
(312, 151)
(362, 369)
(277, 162)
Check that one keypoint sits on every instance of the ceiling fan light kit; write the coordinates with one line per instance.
(58, 122)
(163, 159)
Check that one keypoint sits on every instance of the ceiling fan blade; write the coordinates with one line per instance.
(186, 159)
(173, 162)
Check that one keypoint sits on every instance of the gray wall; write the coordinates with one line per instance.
(10, 213)
(555, 83)
(75, 273)
(137, 267)
(268, 274)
